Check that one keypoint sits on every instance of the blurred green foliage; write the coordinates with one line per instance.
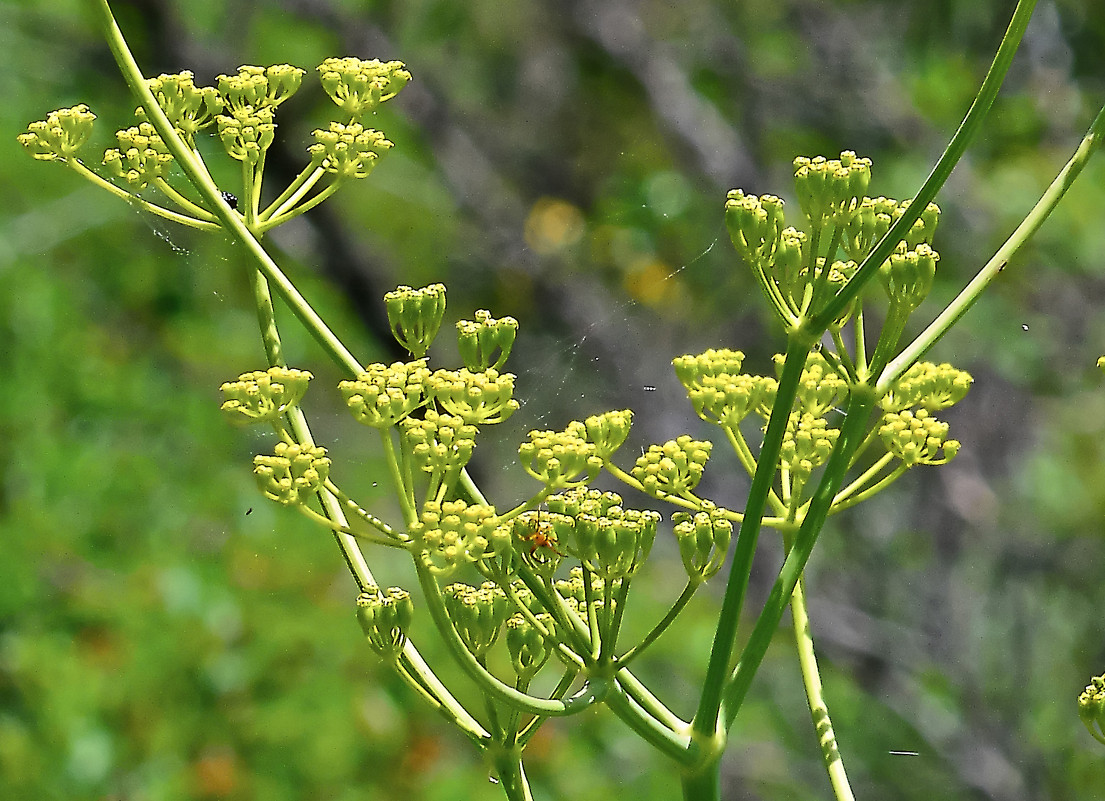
(164, 634)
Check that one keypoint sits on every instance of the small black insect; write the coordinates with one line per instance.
(249, 511)
(230, 199)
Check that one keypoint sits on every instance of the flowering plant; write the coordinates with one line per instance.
(849, 410)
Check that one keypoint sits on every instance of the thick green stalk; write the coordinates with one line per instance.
(703, 784)
(511, 775)
(706, 720)
(861, 402)
(800, 340)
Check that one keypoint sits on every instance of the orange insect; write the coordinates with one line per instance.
(540, 535)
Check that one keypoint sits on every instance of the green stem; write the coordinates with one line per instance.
(671, 742)
(134, 200)
(815, 697)
(591, 692)
(508, 769)
(280, 219)
(191, 208)
(703, 783)
(230, 220)
(860, 404)
(294, 191)
(956, 147)
(478, 735)
(706, 720)
(850, 495)
(1031, 223)
(677, 607)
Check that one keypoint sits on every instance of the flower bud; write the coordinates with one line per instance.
(529, 648)
(917, 438)
(189, 108)
(561, 459)
(358, 86)
(806, 445)
(932, 386)
(755, 226)
(478, 614)
(385, 619)
(479, 339)
(293, 474)
(452, 533)
(385, 394)
(616, 544)
(60, 135)
(141, 157)
(821, 388)
(415, 316)
(246, 132)
(439, 443)
(264, 396)
(691, 370)
(581, 500)
(349, 151)
(907, 275)
(1091, 708)
(260, 87)
(674, 467)
(703, 542)
(829, 190)
(476, 398)
(608, 431)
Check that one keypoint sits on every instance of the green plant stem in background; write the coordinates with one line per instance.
(971, 293)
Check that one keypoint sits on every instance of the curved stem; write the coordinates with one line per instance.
(662, 626)
(591, 692)
(230, 219)
(170, 192)
(1031, 223)
(135, 200)
(415, 682)
(675, 743)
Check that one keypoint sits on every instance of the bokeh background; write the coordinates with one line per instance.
(165, 634)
